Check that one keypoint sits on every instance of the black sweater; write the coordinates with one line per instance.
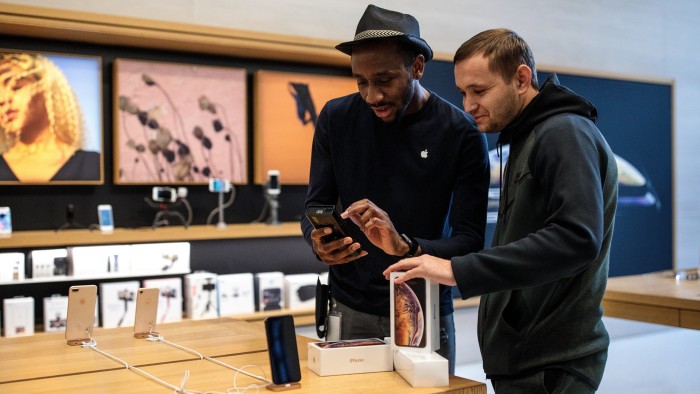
(413, 170)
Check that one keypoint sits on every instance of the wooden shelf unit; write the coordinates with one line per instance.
(79, 237)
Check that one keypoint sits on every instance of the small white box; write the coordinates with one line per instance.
(236, 294)
(18, 316)
(348, 357)
(55, 313)
(269, 290)
(170, 299)
(160, 258)
(422, 369)
(11, 267)
(118, 303)
(98, 260)
(414, 314)
(300, 290)
(49, 262)
(200, 296)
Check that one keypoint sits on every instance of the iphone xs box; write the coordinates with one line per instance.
(414, 314)
(350, 356)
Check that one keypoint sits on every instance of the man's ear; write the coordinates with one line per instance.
(418, 67)
(523, 75)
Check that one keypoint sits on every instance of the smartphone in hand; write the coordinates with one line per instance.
(322, 216)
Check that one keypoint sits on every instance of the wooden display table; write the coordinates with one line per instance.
(654, 298)
(44, 362)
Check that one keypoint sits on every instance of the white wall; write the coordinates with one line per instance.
(647, 38)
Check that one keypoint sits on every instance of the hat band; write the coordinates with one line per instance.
(377, 34)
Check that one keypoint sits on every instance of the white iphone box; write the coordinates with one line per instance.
(170, 299)
(200, 296)
(99, 260)
(105, 218)
(160, 258)
(300, 291)
(414, 314)
(236, 294)
(48, 262)
(349, 357)
(55, 313)
(269, 290)
(422, 369)
(18, 316)
(5, 221)
(118, 303)
(11, 267)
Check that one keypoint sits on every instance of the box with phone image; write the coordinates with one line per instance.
(349, 357)
(300, 290)
(414, 314)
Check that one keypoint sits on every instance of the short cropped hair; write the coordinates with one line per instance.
(505, 51)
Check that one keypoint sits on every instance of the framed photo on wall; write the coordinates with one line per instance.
(179, 123)
(50, 118)
(286, 108)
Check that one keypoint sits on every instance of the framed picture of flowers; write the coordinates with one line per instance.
(50, 118)
(179, 123)
(286, 107)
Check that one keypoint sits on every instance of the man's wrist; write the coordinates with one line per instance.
(412, 246)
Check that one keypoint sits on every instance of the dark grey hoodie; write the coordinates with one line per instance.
(544, 277)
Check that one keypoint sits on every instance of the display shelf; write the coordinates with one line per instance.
(52, 238)
(70, 278)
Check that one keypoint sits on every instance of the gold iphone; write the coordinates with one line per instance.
(146, 312)
(80, 319)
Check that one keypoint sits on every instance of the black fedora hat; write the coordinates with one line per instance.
(380, 24)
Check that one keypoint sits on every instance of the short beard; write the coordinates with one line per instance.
(408, 98)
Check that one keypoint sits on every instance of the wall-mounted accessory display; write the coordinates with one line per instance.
(179, 123)
(50, 118)
(286, 108)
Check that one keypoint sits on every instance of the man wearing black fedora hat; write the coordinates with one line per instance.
(408, 168)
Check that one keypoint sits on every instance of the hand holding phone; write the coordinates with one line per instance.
(322, 216)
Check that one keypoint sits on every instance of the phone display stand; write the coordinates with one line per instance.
(70, 219)
(165, 213)
(283, 387)
(273, 203)
(221, 223)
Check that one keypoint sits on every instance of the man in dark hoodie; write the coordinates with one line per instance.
(541, 283)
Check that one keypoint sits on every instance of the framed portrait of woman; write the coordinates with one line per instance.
(179, 123)
(50, 118)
